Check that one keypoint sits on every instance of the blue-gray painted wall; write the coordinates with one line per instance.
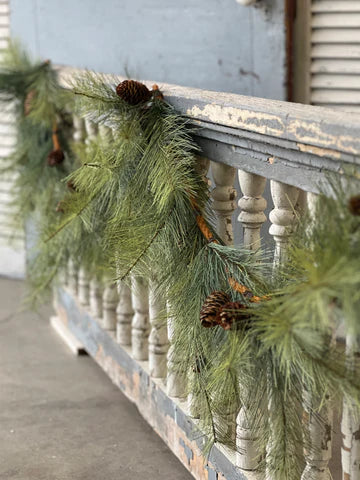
(211, 44)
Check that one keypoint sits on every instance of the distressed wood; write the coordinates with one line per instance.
(283, 217)
(268, 137)
(158, 340)
(350, 422)
(140, 322)
(124, 315)
(252, 206)
(110, 301)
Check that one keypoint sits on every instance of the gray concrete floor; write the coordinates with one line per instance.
(60, 416)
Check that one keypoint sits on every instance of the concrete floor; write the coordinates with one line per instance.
(60, 416)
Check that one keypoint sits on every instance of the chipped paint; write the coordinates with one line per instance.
(305, 132)
(320, 152)
(308, 133)
(264, 123)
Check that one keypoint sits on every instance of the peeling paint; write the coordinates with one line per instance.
(320, 152)
(264, 123)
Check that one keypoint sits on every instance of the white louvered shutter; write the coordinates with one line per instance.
(335, 54)
(12, 251)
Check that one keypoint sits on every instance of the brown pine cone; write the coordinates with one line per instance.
(209, 310)
(133, 92)
(56, 157)
(231, 313)
(354, 205)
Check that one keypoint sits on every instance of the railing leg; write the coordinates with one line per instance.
(96, 298)
(72, 278)
(252, 216)
(320, 435)
(124, 315)
(158, 339)
(224, 203)
(283, 217)
(140, 321)
(175, 382)
(83, 287)
(350, 423)
(110, 300)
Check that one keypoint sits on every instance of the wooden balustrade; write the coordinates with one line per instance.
(293, 146)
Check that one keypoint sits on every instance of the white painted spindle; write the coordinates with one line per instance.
(252, 216)
(350, 423)
(224, 199)
(319, 424)
(110, 301)
(283, 216)
(72, 278)
(224, 203)
(158, 339)
(83, 287)
(202, 166)
(140, 321)
(318, 421)
(124, 315)
(252, 206)
(176, 381)
(84, 278)
(96, 297)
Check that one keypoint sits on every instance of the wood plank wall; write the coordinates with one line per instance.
(335, 54)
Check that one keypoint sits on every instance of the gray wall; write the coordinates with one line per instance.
(210, 44)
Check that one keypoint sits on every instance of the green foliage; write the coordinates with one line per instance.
(132, 213)
(31, 92)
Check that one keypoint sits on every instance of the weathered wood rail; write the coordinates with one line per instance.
(294, 147)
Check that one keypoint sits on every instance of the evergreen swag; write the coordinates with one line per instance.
(137, 205)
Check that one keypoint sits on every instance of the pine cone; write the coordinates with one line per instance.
(209, 310)
(56, 157)
(133, 92)
(354, 205)
(231, 313)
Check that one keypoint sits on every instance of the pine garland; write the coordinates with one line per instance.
(137, 205)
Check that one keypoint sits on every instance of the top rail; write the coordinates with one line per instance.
(292, 143)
